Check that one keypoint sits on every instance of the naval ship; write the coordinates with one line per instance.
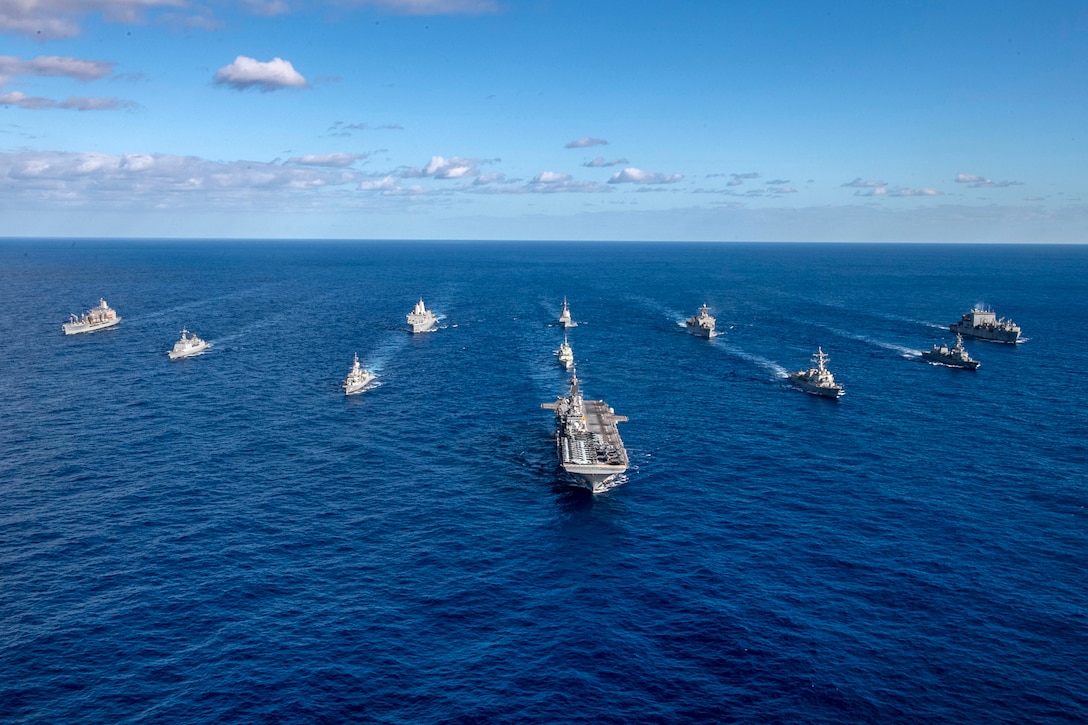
(420, 319)
(98, 318)
(566, 355)
(358, 378)
(564, 316)
(703, 325)
(984, 324)
(187, 346)
(817, 380)
(587, 441)
(954, 357)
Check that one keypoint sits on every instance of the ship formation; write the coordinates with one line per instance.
(588, 446)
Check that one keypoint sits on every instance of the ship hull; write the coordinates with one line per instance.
(78, 328)
(1009, 337)
(356, 388)
(833, 393)
(592, 481)
(938, 360)
(425, 326)
(700, 331)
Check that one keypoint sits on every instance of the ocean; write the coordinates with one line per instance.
(230, 539)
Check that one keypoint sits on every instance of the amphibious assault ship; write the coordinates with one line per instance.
(420, 319)
(984, 324)
(954, 357)
(587, 441)
(98, 318)
(703, 325)
(817, 380)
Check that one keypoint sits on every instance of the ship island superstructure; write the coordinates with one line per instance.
(701, 325)
(566, 355)
(954, 357)
(984, 324)
(564, 316)
(587, 441)
(188, 346)
(817, 380)
(420, 319)
(94, 319)
(357, 379)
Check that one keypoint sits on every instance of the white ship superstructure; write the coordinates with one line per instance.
(564, 316)
(587, 442)
(703, 324)
(984, 324)
(358, 378)
(420, 319)
(187, 346)
(97, 318)
(817, 380)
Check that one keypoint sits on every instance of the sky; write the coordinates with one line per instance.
(545, 119)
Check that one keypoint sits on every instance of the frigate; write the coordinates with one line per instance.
(358, 378)
(703, 324)
(420, 319)
(566, 355)
(564, 316)
(97, 318)
(984, 324)
(817, 380)
(954, 357)
(587, 441)
(187, 346)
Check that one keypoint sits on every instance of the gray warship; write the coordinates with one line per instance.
(564, 316)
(587, 441)
(420, 319)
(984, 324)
(954, 357)
(703, 325)
(817, 380)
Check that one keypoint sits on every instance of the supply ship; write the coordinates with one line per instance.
(954, 357)
(703, 325)
(985, 325)
(587, 441)
(420, 319)
(93, 320)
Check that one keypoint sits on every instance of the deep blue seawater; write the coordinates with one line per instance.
(229, 539)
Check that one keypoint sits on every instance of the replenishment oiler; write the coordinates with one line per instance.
(587, 441)
(985, 325)
(93, 320)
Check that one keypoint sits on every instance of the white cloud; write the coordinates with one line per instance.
(439, 167)
(631, 175)
(859, 184)
(981, 182)
(914, 192)
(55, 66)
(550, 177)
(385, 183)
(267, 8)
(600, 163)
(74, 103)
(337, 160)
(739, 179)
(273, 75)
(586, 142)
(52, 19)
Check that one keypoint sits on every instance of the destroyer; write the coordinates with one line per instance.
(566, 355)
(187, 346)
(98, 318)
(564, 316)
(703, 325)
(357, 379)
(954, 357)
(587, 441)
(420, 319)
(817, 380)
(985, 325)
